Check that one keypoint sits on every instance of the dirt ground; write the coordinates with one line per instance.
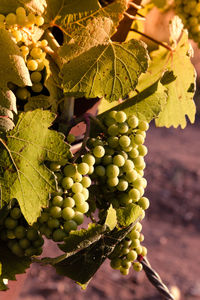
(171, 229)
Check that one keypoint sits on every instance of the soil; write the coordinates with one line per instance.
(171, 230)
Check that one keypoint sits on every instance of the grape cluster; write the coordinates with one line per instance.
(189, 12)
(21, 239)
(22, 28)
(118, 176)
(69, 204)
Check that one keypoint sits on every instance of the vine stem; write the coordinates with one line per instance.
(53, 48)
(155, 280)
(152, 39)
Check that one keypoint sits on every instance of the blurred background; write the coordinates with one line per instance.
(171, 226)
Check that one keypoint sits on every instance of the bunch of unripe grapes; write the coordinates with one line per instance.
(68, 205)
(189, 12)
(21, 239)
(22, 28)
(118, 175)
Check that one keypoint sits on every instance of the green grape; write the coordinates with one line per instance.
(57, 201)
(132, 255)
(113, 130)
(32, 234)
(32, 65)
(138, 161)
(100, 171)
(135, 243)
(86, 182)
(36, 77)
(79, 198)
(142, 150)
(70, 225)
(67, 182)
(44, 43)
(107, 159)
(137, 266)
(2, 18)
(68, 202)
(70, 170)
(78, 218)
(24, 50)
(133, 153)
(58, 235)
(124, 199)
(99, 151)
(113, 142)
(134, 194)
(85, 193)
(123, 128)
(131, 176)
(138, 183)
(55, 212)
(30, 251)
(144, 251)
(141, 238)
(77, 187)
(20, 11)
(138, 227)
(133, 121)
(109, 121)
(112, 171)
(71, 138)
(122, 185)
(68, 213)
(44, 229)
(120, 117)
(128, 166)
(10, 223)
(15, 213)
(118, 160)
(144, 203)
(124, 141)
(89, 159)
(41, 64)
(44, 217)
(113, 181)
(31, 19)
(22, 93)
(91, 170)
(17, 250)
(37, 87)
(54, 166)
(24, 243)
(124, 271)
(78, 177)
(134, 234)
(20, 232)
(139, 139)
(126, 263)
(11, 19)
(112, 114)
(115, 263)
(53, 223)
(36, 53)
(83, 168)
(38, 243)
(10, 234)
(83, 208)
(39, 21)
(21, 20)
(143, 125)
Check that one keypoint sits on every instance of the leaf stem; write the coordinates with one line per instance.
(53, 48)
(166, 46)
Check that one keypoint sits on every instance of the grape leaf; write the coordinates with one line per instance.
(108, 71)
(82, 238)
(111, 219)
(36, 6)
(11, 264)
(129, 214)
(84, 264)
(23, 154)
(70, 15)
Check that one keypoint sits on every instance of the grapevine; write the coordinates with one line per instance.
(52, 181)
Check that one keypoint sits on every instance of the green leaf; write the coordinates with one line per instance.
(23, 157)
(111, 219)
(129, 214)
(11, 265)
(84, 264)
(146, 105)
(82, 238)
(110, 71)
